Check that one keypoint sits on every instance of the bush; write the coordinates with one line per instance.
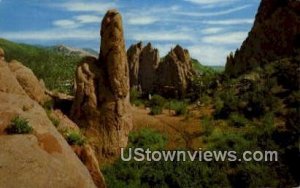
(226, 103)
(157, 100)
(54, 121)
(135, 97)
(180, 107)
(48, 105)
(147, 138)
(237, 120)
(19, 125)
(156, 110)
(206, 100)
(75, 138)
(157, 104)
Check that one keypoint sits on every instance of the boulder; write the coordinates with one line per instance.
(28, 81)
(42, 158)
(274, 35)
(9, 83)
(101, 103)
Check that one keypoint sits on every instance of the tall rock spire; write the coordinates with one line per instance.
(101, 103)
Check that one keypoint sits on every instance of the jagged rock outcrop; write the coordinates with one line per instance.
(28, 82)
(274, 35)
(101, 103)
(42, 158)
(133, 55)
(149, 61)
(170, 77)
(175, 73)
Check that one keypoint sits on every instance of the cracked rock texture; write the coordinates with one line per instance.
(101, 104)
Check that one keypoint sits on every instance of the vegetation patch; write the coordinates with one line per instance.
(19, 125)
(75, 137)
(156, 104)
(56, 69)
(180, 107)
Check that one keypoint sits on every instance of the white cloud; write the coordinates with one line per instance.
(214, 13)
(55, 34)
(227, 38)
(65, 23)
(164, 49)
(229, 22)
(141, 20)
(88, 6)
(77, 21)
(209, 55)
(160, 36)
(212, 30)
(205, 2)
(88, 19)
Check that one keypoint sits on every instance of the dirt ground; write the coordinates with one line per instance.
(181, 131)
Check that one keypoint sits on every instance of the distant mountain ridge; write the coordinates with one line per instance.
(56, 68)
(67, 50)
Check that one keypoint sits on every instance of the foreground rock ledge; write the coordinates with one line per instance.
(101, 103)
(40, 159)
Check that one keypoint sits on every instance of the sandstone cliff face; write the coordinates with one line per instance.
(170, 77)
(143, 63)
(40, 159)
(275, 35)
(133, 55)
(175, 73)
(102, 103)
(149, 61)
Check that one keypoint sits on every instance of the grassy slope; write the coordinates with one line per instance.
(57, 70)
(207, 70)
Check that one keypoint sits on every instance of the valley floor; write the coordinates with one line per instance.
(180, 131)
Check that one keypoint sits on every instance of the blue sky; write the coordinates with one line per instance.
(209, 29)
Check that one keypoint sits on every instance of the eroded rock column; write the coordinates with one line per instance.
(101, 103)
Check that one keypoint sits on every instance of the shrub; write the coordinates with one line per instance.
(157, 104)
(157, 100)
(180, 107)
(135, 97)
(205, 100)
(147, 138)
(207, 125)
(19, 125)
(229, 141)
(156, 110)
(226, 103)
(48, 105)
(237, 120)
(54, 121)
(75, 138)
